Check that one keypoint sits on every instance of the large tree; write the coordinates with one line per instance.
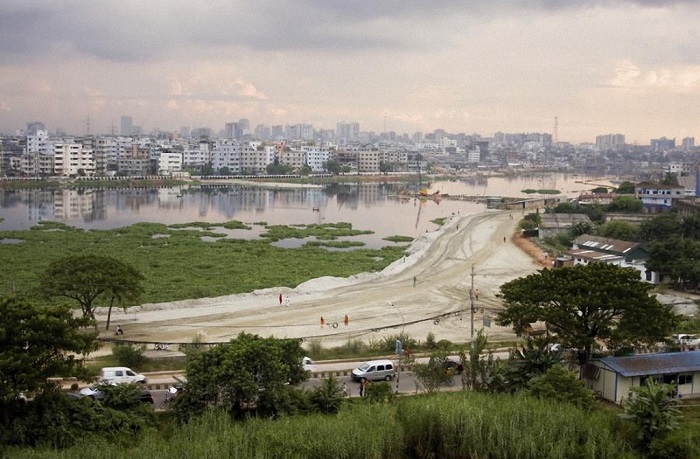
(677, 258)
(587, 303)
(37, 342)
(626, 204)
(85, 278)
(247, 375)
(660, 227)
(624, 231)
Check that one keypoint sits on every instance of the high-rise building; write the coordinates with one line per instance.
(609, 141)
(688, 143)
(662, 144)
(127, 125)
(347, 131)
(34, 126)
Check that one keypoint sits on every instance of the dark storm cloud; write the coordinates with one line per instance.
(141, 31)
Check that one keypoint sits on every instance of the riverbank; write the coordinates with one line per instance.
(425, 292)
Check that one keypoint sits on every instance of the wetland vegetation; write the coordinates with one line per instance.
(179, 264)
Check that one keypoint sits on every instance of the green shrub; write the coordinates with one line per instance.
(678, 444)
(128, 355)
(379, 392)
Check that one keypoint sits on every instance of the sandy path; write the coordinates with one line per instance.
(441, 262)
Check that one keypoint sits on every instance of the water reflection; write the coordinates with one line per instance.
(374, 206)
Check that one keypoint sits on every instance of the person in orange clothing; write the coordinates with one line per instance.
(323, 322)
(346, 320)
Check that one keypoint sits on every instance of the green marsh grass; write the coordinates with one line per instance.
(449, 425)
(178, 264)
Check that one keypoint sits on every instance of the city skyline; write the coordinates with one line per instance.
(599, 66)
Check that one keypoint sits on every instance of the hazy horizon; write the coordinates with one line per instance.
(600, 66)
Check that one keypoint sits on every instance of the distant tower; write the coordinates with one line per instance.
(555, 134)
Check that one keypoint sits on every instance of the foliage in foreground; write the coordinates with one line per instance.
(457, 425)
(36, 343)
(246, 376)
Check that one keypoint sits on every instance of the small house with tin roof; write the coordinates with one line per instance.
(614, 377)
(586, 249)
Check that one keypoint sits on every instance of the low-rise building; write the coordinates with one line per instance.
(657, 197)
(586, 249)
(613, 378)
(553, 224)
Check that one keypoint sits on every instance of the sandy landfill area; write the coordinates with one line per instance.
(377, 304)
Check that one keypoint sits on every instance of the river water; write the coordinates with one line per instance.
(368, 206)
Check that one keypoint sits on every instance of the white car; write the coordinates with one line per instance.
(308, 364)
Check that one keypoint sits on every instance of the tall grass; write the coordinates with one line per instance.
(458, 425)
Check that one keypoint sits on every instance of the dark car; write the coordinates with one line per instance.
(451, 366)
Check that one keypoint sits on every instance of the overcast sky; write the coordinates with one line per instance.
(473, 66)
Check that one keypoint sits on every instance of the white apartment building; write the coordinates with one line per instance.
(228, 156)
(474, 156)
(657, 197)
(37, 142)
(315, 158)
(197, 156)
(169, 161)
(73, 159)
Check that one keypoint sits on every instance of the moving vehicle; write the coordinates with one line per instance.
(374, 370)
(95, 393)
(452, 367)
(687, 341)
(308, 364)
(122, 375)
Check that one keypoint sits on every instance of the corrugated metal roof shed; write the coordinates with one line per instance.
(654, 364)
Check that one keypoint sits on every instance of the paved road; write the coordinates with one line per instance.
(403, 384)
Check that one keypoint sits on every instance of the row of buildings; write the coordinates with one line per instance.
(237, 150)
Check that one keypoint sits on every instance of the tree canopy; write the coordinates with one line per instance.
(625, 188)
(626, 204)
(85, 278)
(623, 231)
(660, 227)
(587, 303)
(678, 258)
(248, 374)
(37, 343)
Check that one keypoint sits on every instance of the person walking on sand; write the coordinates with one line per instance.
(323, 322)
(414, 281)
(280, 299)
(346, 320)
(504, 239)
(477, 294)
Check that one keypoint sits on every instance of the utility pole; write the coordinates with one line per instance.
(471, 301)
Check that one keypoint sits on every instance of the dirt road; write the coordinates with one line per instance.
(376, 304)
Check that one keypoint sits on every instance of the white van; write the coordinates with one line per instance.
(122, 375)
(374, 370)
